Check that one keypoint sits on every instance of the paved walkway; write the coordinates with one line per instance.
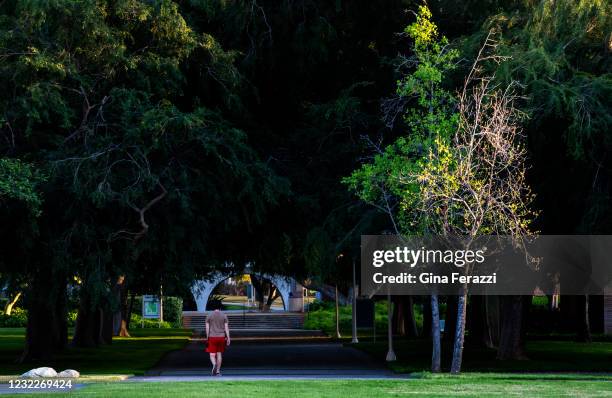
(270, 360)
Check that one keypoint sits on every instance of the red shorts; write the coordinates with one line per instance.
(215, 344)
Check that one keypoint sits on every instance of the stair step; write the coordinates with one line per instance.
(291, 321)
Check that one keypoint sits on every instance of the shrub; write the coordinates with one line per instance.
(138, 322)
(17, 319)
(322, 316)
(173, 309)
(137, 308)
(321, 305)
(72, 317)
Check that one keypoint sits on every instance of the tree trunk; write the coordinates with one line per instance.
(553, 302)
(258, 288)
(567, 308)
(427, 319)
(125, 313)
(398, 325)
(492, 317)
(404, 323)
(264, 292)
(123, 329)
(583, 333)
(121, 314)
(459, 332)
(94, 325)
(61, 316)
(8, 309)
(87, 328)
(511, 334)
(390, 352)
(337, 315)
(130, 309)
(40, 339)
(273, 295)
(328, 292)
(47, 327)
(106, 326)
(450, 319)
(575, 313)
(596, 309)
(482, 323)
(436, 355)
(476, 323)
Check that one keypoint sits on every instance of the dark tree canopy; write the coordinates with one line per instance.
(162, 140)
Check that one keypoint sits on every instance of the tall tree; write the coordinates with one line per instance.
(428, 109)
(97, 101)
(475, 183)
(560, 52)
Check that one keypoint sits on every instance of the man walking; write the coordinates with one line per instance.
(217, 336)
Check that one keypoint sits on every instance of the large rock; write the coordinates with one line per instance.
(69, 373)
(40, 372)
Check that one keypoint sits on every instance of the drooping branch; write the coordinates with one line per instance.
(142, 211)
(136, 236)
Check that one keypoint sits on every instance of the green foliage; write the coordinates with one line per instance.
(540, 301)
(19, 181)
(138, 322)
(319, 254)
(72, 318)
(389, 181)
(108, 105)
(100, 102)
(560, 52)
(17, 319)
(322, 316)
(173, 309)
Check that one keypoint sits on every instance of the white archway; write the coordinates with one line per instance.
(202, 289)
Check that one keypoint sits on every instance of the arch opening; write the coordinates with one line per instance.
(246, 292)
(290, 291)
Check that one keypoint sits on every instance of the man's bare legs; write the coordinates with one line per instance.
(213, 360)
(219, 361)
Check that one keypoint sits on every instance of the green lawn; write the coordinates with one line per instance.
(546, 353)
(234, 307)
(472, 385)
(544, 356)
(131, 355)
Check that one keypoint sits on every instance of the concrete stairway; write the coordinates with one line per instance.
(249, 320)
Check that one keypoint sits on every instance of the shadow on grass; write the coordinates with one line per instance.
(126, 355)
(543, 356)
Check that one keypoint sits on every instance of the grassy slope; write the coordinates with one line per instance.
(132, 355)
(474, 385)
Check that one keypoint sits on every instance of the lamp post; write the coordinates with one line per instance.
(354, 311)
(390, 354)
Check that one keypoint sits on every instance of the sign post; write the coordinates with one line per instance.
(151, 307)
